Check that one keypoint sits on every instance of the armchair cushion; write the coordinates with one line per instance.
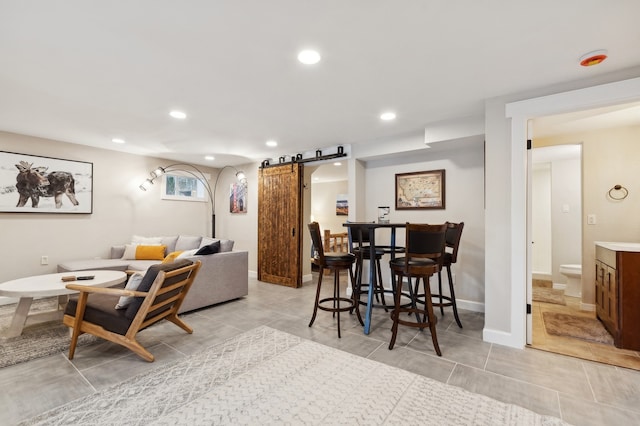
(147, 281)
(93, 310)
(102, 311)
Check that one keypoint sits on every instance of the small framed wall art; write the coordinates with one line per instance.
(238, 197)
(420, 190)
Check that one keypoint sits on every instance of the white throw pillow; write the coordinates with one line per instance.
(132, 284)
(129, 252)
(187, 253)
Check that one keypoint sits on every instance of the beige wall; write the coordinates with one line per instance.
(323, 205)
(464, 178)
(120, 209)
(240, 227)
(610, 157)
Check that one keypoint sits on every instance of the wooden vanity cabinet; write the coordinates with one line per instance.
(618, 295)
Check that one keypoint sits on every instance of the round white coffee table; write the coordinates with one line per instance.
(49, 285)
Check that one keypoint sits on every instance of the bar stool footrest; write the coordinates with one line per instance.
(348, 307)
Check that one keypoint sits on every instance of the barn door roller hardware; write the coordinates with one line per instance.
(299, 158)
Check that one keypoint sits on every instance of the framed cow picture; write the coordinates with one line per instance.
(35, 184)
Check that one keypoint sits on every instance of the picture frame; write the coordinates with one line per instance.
(182, 187)
(38, 184)
(420, 190)
(342, 205)
(238, 197)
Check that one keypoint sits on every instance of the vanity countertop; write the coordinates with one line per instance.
(615, 246)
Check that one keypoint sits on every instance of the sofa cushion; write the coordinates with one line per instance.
(212, 248)
(137, 239)
(147, 282)
(226, 245)
(187, 242)
(207, 240)
(117, 251)
(144, 252)
(89, 264)
(170, 242)
(141, 265)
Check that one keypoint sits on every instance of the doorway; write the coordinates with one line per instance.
(556, 206)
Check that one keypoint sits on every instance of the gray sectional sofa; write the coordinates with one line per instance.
(222, 277)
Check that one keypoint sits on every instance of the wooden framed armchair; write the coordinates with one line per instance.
(158, 296)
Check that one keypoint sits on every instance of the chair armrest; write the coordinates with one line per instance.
(105, 290)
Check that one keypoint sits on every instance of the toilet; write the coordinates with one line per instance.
(574, 279)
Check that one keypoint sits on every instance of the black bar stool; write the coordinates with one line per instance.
(423, 257)
(452, 241)
(335, 262)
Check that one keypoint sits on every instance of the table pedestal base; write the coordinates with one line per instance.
(21, 317)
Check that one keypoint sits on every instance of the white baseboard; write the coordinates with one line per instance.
(559, 286)
(470, 305)
(500, 337)
(587, 307)
(253, 274)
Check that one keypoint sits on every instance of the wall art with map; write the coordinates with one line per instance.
(420, 190)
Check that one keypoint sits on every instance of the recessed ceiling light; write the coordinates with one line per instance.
(309, 57)
(117, 140)
(388, 116)
(178, 114)
(209, 157)
(337, 163)
(271, 143)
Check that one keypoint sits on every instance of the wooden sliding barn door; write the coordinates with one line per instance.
(280, 225)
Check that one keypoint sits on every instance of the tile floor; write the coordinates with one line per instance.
(578, 391)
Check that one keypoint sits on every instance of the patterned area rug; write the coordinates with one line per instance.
(265, 376)
(548, 295)
(37, 340)
(577, 327)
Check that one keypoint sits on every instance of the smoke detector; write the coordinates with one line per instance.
(593, 58)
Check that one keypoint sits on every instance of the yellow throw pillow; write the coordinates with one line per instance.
(150, 252)
(172, 256)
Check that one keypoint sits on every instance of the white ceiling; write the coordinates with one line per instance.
(582, 121)
(85, 72)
